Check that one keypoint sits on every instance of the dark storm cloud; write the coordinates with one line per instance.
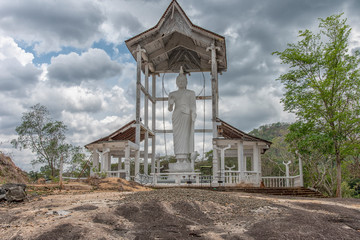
(72, 69)
(51, 23)
(15, 78)
(127, 20)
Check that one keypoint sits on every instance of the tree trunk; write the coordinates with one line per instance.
(61, 173)
(52, 170)
(338, 175)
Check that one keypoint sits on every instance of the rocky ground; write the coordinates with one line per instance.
(178, 214)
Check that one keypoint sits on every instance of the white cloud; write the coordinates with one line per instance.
(10, 49)
(85, 128)
(17, 72)
(73, 68)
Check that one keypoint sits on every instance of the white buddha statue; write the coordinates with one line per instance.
(183, 118)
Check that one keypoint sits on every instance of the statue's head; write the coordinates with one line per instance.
(181, 80)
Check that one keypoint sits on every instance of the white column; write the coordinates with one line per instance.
(214, 93)
(138, 52)
(95, 162)
(301, 171)
(104, 162)
(255, 158)
(215, 164)
(245, 163)
(222, 169)
(259, 163)
(157, 172)
(101, 160)
(127, 163)
(240, 153)
(107, 159)
(214, 81)
(153, 123)
(137, 162)
(158, 166)
(256, 162)
(146, 116)
(287, 173)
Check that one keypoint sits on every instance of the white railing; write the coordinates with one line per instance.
(206, 179)
(231, 177)
(116, 173)
(280, 182)
(228, 177)
(177, 178)
(119, 173)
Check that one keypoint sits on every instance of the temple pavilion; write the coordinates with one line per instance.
(173, 42)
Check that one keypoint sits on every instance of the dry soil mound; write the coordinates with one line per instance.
(9, 172)
(117, 184)
(92, 183)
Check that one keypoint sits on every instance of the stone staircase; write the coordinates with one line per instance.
(291, 191)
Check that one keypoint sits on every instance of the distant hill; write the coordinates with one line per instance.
(270, 131)
(9, 172)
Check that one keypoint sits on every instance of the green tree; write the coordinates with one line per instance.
(270, 131)
(272, 160)
(323, 90)
(77, 161)
(43, 136)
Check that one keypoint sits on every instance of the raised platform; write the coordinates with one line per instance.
(296, 191)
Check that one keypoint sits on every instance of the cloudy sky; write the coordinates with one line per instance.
(70, 56)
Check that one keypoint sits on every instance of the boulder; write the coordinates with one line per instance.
(7, 186)
(2, 193)
(14, 192)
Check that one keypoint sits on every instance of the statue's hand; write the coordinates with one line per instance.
(171, 100)
(171, 103)
(193, 116)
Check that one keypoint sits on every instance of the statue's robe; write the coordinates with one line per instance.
(182, 120)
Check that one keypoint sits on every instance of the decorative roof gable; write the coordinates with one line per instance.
(175, 41)
(126, 132)
(227, 131)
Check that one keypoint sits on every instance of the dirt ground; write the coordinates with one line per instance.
(178, 214)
